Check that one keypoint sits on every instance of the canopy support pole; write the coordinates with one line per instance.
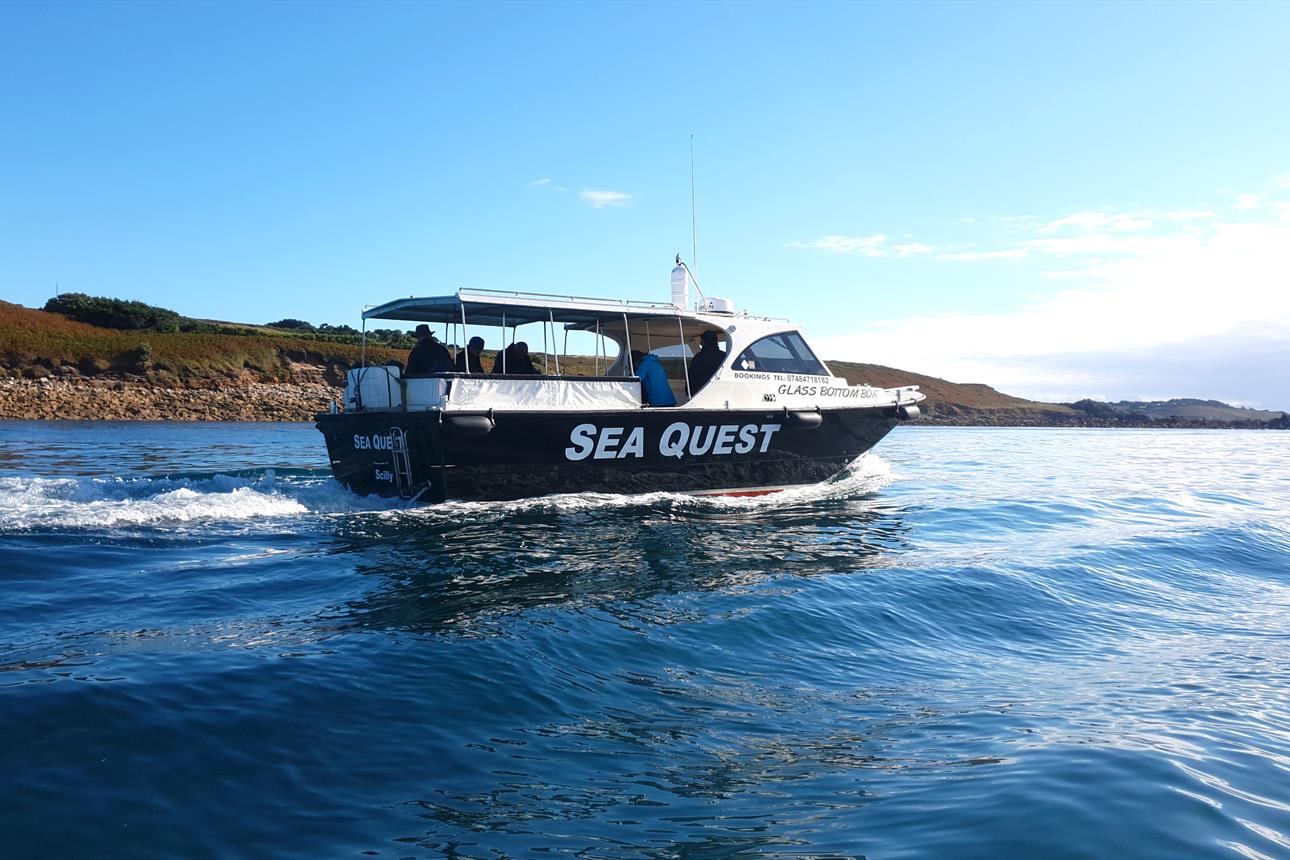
(685, 365)
(631, 363)
(551, 313)
(463, 328)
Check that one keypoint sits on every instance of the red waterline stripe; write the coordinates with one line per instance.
(748, 491)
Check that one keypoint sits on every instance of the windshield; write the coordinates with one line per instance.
(781, 353)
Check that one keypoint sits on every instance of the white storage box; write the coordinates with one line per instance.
(369, 388)
(421, 394)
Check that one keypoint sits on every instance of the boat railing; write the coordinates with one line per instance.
(609, 304)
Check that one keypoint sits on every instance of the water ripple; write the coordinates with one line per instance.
(981, 643)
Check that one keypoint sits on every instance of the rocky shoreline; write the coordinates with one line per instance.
(143, 399)
(130, 400)
(1019, 418)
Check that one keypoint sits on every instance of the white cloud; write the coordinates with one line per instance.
(1247, 201)
(601, 199)
(1098, 221)
(538, 183)
(911, 249)
(1094, 243)
(869, 246)
(1189, 214)
(973, 256)
(1198, 307)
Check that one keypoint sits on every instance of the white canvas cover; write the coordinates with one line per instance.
(541, 395)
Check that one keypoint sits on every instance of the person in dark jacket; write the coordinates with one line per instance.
(705, 362)
(429, 355)
(515, 359)
(468, 359)
(655, 390)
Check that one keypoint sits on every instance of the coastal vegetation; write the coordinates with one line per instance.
(139, 316)
(41, 343)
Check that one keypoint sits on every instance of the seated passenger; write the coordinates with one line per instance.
(468, 359)
(705, 362)
(515, 359)
(654, 388)
(429, 355)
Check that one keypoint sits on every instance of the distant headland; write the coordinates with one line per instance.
(92, 358)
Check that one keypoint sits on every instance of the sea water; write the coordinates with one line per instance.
(983, 643)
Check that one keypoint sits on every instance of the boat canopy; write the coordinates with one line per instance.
(502, 308)
(662, 328)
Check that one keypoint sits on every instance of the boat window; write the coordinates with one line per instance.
(781, 353)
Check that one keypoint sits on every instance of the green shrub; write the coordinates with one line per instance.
(295, 324)
(140, 356)
(1094, 408)
(114, 313)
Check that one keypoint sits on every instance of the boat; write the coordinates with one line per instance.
(771, 417)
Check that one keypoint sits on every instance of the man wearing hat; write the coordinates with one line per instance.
(468, 358)
(429, 355)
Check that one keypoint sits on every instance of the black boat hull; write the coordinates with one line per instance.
(512, 455)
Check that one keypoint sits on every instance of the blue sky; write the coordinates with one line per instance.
(1061, 200)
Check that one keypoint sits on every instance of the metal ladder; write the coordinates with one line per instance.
(402, 463)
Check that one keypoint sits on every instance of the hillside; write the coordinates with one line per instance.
(91, 371)
(37, 344)
(1188, 408)
(961, 403)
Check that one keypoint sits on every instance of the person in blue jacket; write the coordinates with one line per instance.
(654, 388)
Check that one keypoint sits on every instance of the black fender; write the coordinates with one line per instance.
(467, 424)
(803, 419)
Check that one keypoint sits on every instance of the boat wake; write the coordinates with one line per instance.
(866, 476)
(191, 501)
(87, 503)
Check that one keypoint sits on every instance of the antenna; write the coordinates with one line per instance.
(694, 228)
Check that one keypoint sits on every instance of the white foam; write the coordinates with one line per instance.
(27, 503)
(36, 503)
(866, 475)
